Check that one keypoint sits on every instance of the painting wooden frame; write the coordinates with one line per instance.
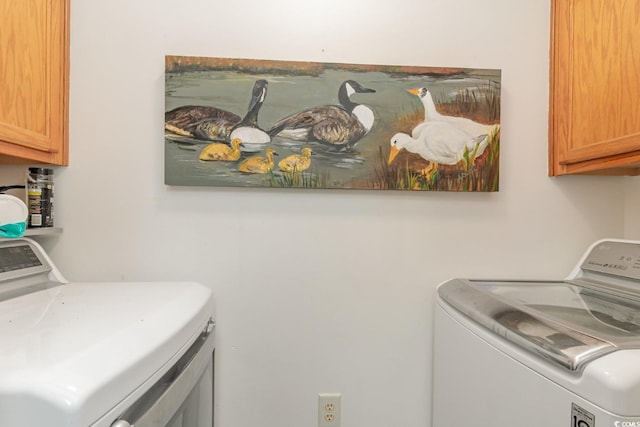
(260, 123)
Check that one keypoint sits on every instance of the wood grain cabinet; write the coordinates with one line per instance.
(34, 81)
(594, 106)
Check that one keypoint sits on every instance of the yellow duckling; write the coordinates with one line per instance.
(258, 164)
(222, 151)
(295, 162)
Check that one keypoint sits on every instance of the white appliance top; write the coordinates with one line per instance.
(583, 332)
(571, 322)
(70, 353)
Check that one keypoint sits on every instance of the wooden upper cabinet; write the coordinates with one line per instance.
(34, 83)
(594, 106)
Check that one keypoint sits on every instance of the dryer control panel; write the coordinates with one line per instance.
(25, 268)
(20, 258)
(614, 258)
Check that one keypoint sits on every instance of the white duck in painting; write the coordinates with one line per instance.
(438, 142)
(431, 114)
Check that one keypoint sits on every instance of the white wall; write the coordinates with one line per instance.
(317, 291)
(632, 208)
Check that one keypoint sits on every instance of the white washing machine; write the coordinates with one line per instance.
(531, 353)
(101, 354)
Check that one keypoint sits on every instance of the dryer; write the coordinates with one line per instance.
(101, 354)
(542, 353)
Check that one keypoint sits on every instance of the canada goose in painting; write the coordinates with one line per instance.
(222, 152)
(200, 122)
(296, 162)
(257, 164)
(339, 126)
(248, 130)
(438, 142)
(431, 114)
(215, 124)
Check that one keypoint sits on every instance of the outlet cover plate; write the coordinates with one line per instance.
(329, 408)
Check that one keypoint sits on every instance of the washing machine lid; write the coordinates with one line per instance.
(70, 353)
(564, 322)
(570, 322)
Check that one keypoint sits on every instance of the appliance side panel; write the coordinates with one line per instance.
(476, 384)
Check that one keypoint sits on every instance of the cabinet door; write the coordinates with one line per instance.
(34, 80)
(595, 87)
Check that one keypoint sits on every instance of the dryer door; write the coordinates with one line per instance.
(183, 397)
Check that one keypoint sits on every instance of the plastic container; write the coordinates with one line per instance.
(13, 216)
(40, 197)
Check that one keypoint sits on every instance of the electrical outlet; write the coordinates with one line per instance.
(329, 409)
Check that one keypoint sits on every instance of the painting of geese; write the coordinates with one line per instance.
(333, 125)
(215, 124)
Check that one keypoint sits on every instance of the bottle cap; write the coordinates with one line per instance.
(41, 171)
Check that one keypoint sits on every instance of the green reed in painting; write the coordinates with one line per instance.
(307, 179)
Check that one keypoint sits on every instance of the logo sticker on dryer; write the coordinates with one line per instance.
(580, 417)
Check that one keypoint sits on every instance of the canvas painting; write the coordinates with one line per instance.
(260, 123)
